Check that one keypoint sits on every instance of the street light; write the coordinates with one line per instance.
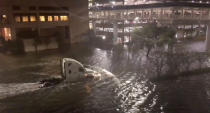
(103, 37)
(113, 2)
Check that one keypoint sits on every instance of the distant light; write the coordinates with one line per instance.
(103, 37)
(126, 21)
(98, 49)
(97, 4)
(91, 25)
(207, 2)
(4, 16)
(137, 18)
(200, 1)
(113, 2)
(193, 1)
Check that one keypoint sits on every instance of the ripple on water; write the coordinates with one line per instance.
(110, 95)
(133, 92)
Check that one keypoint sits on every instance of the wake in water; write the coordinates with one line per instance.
(13, 89)
(8, 90)
(107, 93)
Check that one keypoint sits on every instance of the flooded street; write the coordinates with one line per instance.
(128, 92)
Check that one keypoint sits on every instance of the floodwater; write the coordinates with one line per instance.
(129, 92)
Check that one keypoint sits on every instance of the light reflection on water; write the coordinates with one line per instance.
(133, 92)
(127, 92)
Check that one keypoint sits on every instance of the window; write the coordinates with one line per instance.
(16, 7)
(56, 18)
(25, 18)
(6, 33)
(17, 19)
(32, 18)
(49, 18)
(91, 25)
(42, 18)
(65, 8)
(64, 18)
(32, 8)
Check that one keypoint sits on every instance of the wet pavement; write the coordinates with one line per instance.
(129, 92)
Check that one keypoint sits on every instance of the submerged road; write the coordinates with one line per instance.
(134, 93)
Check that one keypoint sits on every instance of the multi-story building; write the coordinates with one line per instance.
(115, 20)
(28, 19)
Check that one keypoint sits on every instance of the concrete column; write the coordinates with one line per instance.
(161, 13)
(201, 14)
(192, 30)
(182, 13)
(13, 32)
(94, 26)
(173, 13)
(11, 24)
(115, 32)
(208, 14)
(151, 14)
(208, 38)
(192, 13)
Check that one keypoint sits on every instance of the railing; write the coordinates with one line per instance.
(157, 17)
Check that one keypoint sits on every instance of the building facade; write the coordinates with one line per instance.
(115, 20)
(47, 19)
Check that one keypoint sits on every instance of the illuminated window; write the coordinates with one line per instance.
(64, 18)
(56, 18)
(90, 4)
(91, 25)
(32, 18)
(42, 18)
(17, 19)
(6, 33)
(49, 18)
(25, 18)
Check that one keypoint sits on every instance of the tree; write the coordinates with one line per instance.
(145, 37)
(151, 36)
(167, 37)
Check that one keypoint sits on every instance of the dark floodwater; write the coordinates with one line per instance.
(134, 93)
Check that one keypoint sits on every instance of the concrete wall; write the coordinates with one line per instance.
(79, 20)
(29, 45)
